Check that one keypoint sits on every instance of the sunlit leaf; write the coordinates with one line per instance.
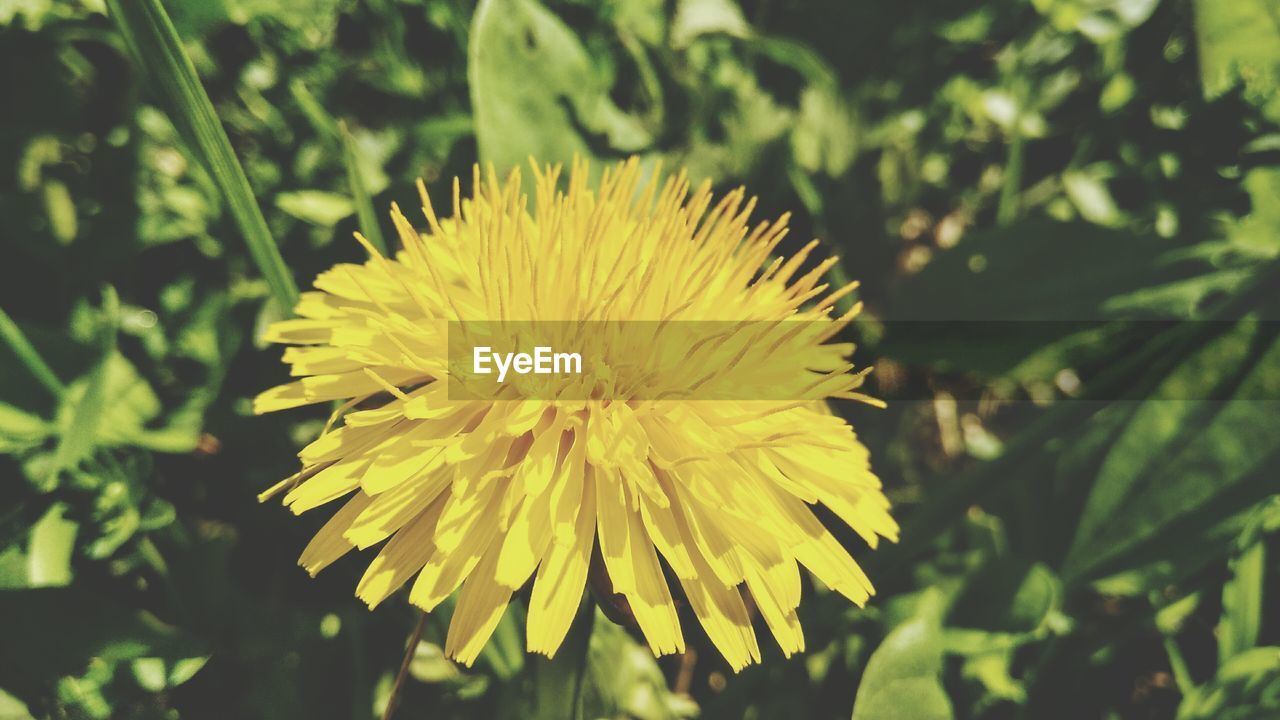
(902, 676)
(1242, 602)
(534, 92)
(700, 17)
(1239, 42)
(49, 550)
(318, 207)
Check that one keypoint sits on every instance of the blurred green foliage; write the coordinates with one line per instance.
(1066, 218)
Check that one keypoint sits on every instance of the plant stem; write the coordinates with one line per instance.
(26, 352)
(1181, 674)
(1007, 209)
(409, 650)
(558, 680)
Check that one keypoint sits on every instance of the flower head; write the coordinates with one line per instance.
(648, 459)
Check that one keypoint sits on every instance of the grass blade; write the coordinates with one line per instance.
(321, 121)
(156, 49)
(365, 214)
(26, 352)
(336, 131)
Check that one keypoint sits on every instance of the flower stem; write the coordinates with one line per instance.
(409, 650)
(1007, 207)
(557, 681)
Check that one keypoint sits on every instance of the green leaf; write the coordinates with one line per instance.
(1102, 21)
(1239, 42)
(622, 679)
(49, 554)
(1208, 430)
(558, 682)
(56, 632)
(61, 210)
(150, 674)
(154, 674)
(81, 411)
(1179, 298)
(910, 698)
(1089, 193)
(118, 410)
(902, 679)
(315, 18)
(1160, 421)
(20, 430)
(1008, 597)
(1242, 602)
(1156, 568)
(535, 92)
(1171, 618)
(318, 207)
(1245, 688)
(26, 352)
(158, 52)
(1026, 301)
(695, 18)
(1034, 292)
(825, 136)
(11, 708)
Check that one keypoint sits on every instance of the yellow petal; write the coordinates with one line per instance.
(718, 607)
(568, 488)
(824, 556)
(319, 360)
(562, 575)
(716, 549)
(660, 525)
(396, 507)
(648, 594)
(300, 331)
(768, 591)
(470, 536)
(404, 459)
(329, 484)
(611, 526)
(525, 541)
(280, 397)
(403, 556)
(478, 611)
(328, 544)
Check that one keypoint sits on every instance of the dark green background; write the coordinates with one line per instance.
(1088, 507)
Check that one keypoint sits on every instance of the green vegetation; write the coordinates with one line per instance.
(1065, 215)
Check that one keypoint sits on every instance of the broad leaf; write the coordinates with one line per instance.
(1239, 42)
(535, 92)
(1210, 430)
(1035, 297)
(902, 677)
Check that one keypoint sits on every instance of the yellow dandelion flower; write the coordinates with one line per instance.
(711, 492)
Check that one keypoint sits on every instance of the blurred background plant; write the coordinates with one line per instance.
(1066, 218)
